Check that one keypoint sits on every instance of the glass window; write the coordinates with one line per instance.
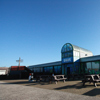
(88, 68)
(95, 67)
(76, 53)
(48, 69)
(81, 68)
(68, 54)
(57, 69)
(38, 69)
(67, 47)
(51, 69)
(41, 69)
(76, 68)
(65, 69)
(63, 56)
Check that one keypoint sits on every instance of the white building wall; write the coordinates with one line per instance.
(2, 72)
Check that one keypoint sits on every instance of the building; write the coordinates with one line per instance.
(19, 72)
(4, 72)
(75, 61)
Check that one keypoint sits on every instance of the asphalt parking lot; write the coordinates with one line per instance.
(24, 90)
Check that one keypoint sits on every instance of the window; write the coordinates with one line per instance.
(48, 69)
(76, 54)
(68, 54)
(57, 69)
(88, 68)
(67, 47)
(38, 69)
(95, 67)
(81, 69)
(76, 68)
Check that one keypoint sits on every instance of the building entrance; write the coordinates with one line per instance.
(68, 69)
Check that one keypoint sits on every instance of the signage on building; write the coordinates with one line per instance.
(67, 60)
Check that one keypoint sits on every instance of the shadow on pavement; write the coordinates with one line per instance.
(93, 92)
(77, 86)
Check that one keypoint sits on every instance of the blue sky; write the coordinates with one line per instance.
(36, 30)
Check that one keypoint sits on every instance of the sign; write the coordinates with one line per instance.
(67, 60)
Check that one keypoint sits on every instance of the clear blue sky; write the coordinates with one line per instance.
(36, 30)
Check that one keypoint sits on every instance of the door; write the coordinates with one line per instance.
(65, 70)
(68, 70)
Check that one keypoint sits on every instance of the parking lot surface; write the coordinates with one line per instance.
(24, 90)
